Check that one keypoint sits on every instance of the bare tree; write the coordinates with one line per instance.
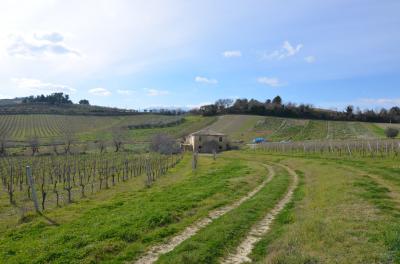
(85, 147)
(34, 145)
(118, 138)
(3, 145)
(164, 144)
(101, 144)
(54, 145)
(68, 141)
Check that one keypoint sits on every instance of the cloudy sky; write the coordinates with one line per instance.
(137, 54)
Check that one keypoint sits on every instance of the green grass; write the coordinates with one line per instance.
(285, 218)
(207, 247)
(121, 223)
(339, 215)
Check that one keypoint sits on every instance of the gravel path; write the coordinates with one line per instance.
(242, 252)
(155, 252)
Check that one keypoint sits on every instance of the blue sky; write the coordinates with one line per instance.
(138, 54)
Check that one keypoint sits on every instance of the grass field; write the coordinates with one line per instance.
(246, 127)
(343, 211)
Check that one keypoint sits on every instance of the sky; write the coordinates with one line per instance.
(171, 53)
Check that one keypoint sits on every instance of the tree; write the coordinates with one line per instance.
(277, 100)
(349, 110)
(208, 110)
(54, 145)
(164, 144)
(69, 138)
(391, 132)
(84, 102)
(3, 146)
(101, 144)
(118, 138)
(222, 104)
(54, 99)
(34, 144)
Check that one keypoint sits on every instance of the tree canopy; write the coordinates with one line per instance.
(276, 107)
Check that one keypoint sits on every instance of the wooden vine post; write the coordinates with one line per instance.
(194, 160)
(32, 187)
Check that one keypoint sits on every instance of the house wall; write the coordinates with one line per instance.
(197, 141)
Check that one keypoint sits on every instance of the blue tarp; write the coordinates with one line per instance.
(258, 140)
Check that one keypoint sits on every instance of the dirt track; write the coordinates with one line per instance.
(156, 251)
(242, 252)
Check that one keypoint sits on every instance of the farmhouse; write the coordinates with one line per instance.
(206, 141)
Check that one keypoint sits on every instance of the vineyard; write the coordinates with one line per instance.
(60, 180)
(363, 148)
(246, 127)
(23, 127)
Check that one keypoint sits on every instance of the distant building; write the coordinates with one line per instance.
(206, 141)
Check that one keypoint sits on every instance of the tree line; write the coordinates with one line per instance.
(54, 99)
(276, 107)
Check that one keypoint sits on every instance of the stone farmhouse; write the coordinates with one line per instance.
(206, 141)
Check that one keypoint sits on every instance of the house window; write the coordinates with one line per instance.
(200, 139)
(220, 147)
(220, 139)
(199, 147)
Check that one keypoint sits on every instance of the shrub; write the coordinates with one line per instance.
(164, 144)
(391, 132)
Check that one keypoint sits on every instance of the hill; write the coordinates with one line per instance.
(13, 108)
(246, 127)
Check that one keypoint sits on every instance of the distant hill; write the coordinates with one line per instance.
(10, 101)
(15, 106)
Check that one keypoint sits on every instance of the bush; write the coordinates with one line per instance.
(164, 144)
(391, 132)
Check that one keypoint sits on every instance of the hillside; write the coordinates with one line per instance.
(246, 127)
(14, 107)
(136, 130)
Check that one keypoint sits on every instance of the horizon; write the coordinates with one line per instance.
(180, 54)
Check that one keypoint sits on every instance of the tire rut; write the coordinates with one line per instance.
(242, 252)
(156, 251)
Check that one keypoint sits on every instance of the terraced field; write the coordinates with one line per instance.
(244, 128)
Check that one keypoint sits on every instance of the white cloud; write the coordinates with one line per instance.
(39, 45)
(287, 50)
(379, 101)
(28, 85)
(310, 59)
(155, 92)
(269, 81)
(100, 91)
(197, 106)
(206, 80)
(125, 92)
(232, 53)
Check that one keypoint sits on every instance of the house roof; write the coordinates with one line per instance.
(207, 132)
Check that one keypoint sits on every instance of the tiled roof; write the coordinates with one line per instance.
(207, 132)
